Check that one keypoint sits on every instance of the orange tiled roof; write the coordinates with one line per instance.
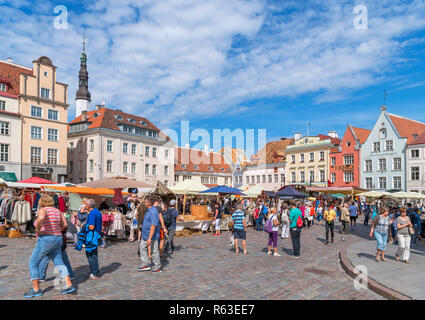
(407, 128)
(106, 118)
(419, 140)
(11, 72)
(335, 141)
(272, 152)
(334, 150)
(192, 160)
(361, 134)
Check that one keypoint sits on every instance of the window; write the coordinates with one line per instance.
(276, 178)
(376, 147)
(2, 105)
(109, 145)
(36, 112)
(166, 154)
(35, 155)
(348, 160)
(133, 149)
(109, 166)
(204, 180)
(414, 173)
(91, 145)
(71, 146)
(302, 176)
(322, 156)
(333, 161)
(4, 128)
(3, 87)
(368, 165)
(389, 145)
(397, 163)
(176, 178)
(322, 175)
(382, 164)
(293, 177)
(226, 181)
(91, 165)
(302, 157)
(311, 176)
(52, 134)
(293, 158)
(125, 148)
(264, 178)
(282, 178)
(166, 170)
(45, 93)
(247, 179)
(35, 132)
(258, 179)
(269, 178)
(46, 73)
(133, 167)
(383, 133)
(146, 169)
(348, 176)
(70, 166)
(382, 183)
(397, 182)
(333, 177)
(147, 151)
(4, 152)
(154, 152)
(53, 115)
(125, 167)
(369, 183)
(414, 153)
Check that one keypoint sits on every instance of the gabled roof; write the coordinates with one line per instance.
(272, 152)
(109, 118)
(418, 140)
(10, 71)
(407, 128)
(361, 134)
(193, 160)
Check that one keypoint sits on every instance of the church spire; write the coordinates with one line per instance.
(83, 96)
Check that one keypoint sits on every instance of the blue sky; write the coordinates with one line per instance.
(233, 64)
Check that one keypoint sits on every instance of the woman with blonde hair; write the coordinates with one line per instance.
(49, 226)
(273, 235)
(83, 213)
(380, 230)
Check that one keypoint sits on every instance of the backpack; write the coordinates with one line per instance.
(300, 222)
(264, 210)
(269, 225)
(168, 219)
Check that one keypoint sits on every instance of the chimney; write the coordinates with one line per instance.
(332, 134)
(84, 115)
(297, 136)
(282, 139)
(10, 60)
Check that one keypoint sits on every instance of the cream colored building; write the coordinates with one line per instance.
(307, 161)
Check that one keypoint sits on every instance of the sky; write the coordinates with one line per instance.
(237, 64)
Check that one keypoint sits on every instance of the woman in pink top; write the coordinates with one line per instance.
(49, 225)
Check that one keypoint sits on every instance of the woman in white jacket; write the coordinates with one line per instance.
(285, 222)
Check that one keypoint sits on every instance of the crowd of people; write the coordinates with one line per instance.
(153, 222)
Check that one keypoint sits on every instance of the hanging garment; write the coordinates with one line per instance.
(21, 212)
(62, 204)
(118, 199)
(35, 205)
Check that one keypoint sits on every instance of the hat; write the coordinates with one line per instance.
(172, 203)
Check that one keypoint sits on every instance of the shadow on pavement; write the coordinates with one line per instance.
(3, 267)
(3, 245)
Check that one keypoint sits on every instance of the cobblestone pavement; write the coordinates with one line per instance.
(203, 267)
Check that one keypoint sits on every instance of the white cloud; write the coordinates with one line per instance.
(182, 56)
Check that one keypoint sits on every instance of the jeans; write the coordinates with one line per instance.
(169, 244)
(381, 239)
(260, 223)
(366, 219)
(345, 226)
(51, 247)
(273, 238)
(45, 263)
(296, 237)
(155, 253)
(330, 226)
(403, 250)
(93, 262)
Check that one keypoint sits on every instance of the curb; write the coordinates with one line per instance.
(371, 284)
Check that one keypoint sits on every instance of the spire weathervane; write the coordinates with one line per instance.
(385, 96)
(84, 42)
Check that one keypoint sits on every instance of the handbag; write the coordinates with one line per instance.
(411, 230)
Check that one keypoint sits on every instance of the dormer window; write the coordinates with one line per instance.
(415, 135)
(184, 166)
(118, 117)
(348, 143)
(95, 115)
(210, 168)
(143, 123)
(132, 120)
(196, 167)
(3, 87)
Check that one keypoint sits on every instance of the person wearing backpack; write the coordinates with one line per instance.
(272, 228)
(171, 216)
(296, 223)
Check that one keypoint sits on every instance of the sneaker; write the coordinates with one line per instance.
(296, 257)
(93, 277)
(269, 253)
(31, 293)
(156, 270)
(276, 254)
(41, 280)
(68, 290)
(145, 268)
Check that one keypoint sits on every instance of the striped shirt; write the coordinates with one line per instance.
(237, 218)
(52, 222)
